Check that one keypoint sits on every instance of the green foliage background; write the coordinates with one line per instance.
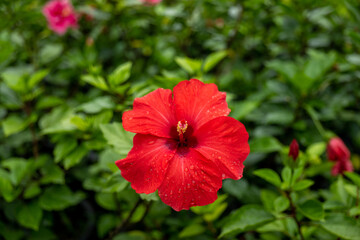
(290, 69)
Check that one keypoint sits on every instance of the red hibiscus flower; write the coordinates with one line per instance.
(185, 144)
(60, 15)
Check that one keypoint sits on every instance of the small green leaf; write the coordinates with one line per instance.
(63, 148)
(354, 177)
(312, 209)
(246, 218)
(106, 200)
(120, 74)
(269, 175)
(30, 215)
(214, 59)
(75, 157)
(52, 174)
(50, 52)
(6, 188)
(14, 124)
(286, 176)
(281, 204)
(192, 230)
(96, 81)
(32, 190)
(150, 197)
(189, 65)
(97, 105)
(345, 229)
(117, 137)
(18, 169)
(265, 145)
(59, 197)
(36, 78)
(106, 223)
(302, 184)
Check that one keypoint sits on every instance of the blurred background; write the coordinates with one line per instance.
(290, 69)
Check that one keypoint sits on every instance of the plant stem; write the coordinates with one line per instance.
(35, 144)
(293, 214)
(125, 222)
(316, 121)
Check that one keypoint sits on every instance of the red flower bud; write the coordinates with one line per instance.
(337, 151)
(294, 149)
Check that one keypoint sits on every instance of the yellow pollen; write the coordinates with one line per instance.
(182, 126)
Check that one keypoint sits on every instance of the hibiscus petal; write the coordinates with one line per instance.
(146, 163)
(198, 103)
(152, 114)
(224, 140)
(191, 180)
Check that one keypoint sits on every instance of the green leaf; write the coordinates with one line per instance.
(106, 200)
(241, 109)
(117, 137)
(288, 69)
(106, 223)
(246, 218)
(318, 64)
(6, 50)
(52, 174)
(192, 230)
(36, 78)
(30, 215)
(346, 228)
(189, 65)
(286, 176)
(312, 209)
(75, 157)
(57, 121)
(120, 74)
(269, 175)
(302, 184)
(59, 197)
(354, 177)
(150, 197)
(281, 204)
(96, 81)
(63, 148)
(268, 198)
(50, 52)
(15, 78)
(214, 59)
(32, 190)
(6, 188)
(18, 169)
(14, 124)
(97, 105)
(115, 183)
(212, 211)
(265, 145)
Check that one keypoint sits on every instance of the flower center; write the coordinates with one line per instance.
(181, 129)
(66, 11)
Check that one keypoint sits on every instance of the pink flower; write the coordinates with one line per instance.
(151, 2)
(185, 144)
(60, 15)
